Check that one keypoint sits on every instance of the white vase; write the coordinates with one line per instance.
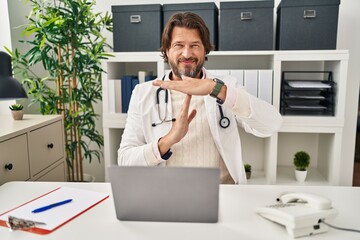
(300, 175)
(17, 114)
(88, 178)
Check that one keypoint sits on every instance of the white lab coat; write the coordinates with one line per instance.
(139, 135)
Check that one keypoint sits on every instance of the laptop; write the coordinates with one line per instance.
(165, 194)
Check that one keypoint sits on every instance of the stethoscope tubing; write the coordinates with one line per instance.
(224, 121)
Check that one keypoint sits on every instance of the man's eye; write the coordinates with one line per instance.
(177, 45)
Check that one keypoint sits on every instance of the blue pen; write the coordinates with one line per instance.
(45, 208)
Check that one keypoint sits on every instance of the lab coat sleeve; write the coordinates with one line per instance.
(134, 149)
(254, 115)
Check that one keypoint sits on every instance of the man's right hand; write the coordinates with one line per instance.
(179, 128)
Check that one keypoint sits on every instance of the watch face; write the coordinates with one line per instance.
(224, 122)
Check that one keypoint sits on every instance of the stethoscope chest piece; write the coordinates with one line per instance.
(224, 121)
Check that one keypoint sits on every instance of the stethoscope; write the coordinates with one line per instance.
(224, 121)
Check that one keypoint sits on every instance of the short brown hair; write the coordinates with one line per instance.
(188, 20)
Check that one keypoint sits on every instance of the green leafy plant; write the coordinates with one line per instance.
(301, 160)
(16, 107)
(247, 167)
(68, 43)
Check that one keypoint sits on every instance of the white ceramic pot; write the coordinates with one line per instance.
(18, 114)
(88, 178)
(300, 175)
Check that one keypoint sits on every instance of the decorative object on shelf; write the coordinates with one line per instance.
(301, 162)
(247, 170)
(17, 111)
(10, 88)
(68, 42)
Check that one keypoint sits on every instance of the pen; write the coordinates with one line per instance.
(45, 208)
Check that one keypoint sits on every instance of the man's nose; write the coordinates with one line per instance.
(187, 52)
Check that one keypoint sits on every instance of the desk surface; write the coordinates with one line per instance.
(237, 219)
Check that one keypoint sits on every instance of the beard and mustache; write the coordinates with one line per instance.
(188, 71)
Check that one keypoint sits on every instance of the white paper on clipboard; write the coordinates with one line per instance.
(82, 200)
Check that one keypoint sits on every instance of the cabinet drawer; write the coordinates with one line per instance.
(54, 174)
(46, 146)
(14, 161)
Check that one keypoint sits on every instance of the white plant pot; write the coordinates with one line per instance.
(300, 175)
(88, 178)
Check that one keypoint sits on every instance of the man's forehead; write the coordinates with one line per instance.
(182, 34)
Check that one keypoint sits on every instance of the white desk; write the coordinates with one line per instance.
(237, 218)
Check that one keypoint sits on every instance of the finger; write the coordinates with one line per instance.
(183, 77)
(191, 116)
(186, 104)
(157, 82)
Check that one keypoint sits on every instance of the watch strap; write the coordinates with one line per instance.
(167, 155)
(217, 87)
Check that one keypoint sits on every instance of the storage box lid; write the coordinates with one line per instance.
(181, 7)
(136, 8)
(302, 3)
(247, 4)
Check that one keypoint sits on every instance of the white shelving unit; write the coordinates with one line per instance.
(271, 158)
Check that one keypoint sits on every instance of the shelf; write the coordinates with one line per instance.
(286, 176)
(323, 136)
(257, 178)
(114, 120)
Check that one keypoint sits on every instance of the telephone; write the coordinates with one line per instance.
(300, 213)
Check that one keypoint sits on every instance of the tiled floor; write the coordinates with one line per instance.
(356, 176)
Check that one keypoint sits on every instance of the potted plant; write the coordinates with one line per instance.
(301, 163)
(17, 111)
(247, 170)
(68, 43)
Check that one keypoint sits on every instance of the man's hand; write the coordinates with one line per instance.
(191, 86)
(179, 128)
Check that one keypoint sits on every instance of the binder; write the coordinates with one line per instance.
(265, 85)
(54, 218)
(239, 75)
(126, 88)
(250, 81)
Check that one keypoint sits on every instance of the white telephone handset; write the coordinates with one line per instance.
(300, 213)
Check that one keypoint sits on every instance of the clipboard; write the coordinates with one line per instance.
(82, 200)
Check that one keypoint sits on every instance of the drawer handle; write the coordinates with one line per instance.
(246, 16)
(135, 19)
(8, 166)
(309, 14)
(50, 146)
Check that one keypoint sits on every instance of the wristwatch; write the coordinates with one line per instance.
(167, 155)
(216, 90)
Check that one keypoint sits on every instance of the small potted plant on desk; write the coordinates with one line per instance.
(247, 170)
(301, 162)
(17, 111)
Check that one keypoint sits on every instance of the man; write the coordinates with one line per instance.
(196, 138)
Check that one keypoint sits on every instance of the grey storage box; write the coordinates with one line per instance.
(208, 11)
(137, 28)
(307, 24)
(246, 25)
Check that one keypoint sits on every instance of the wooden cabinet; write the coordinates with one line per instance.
(32, 149)
(324, 137)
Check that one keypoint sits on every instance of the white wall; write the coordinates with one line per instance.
(5, 40)
(348, 38)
